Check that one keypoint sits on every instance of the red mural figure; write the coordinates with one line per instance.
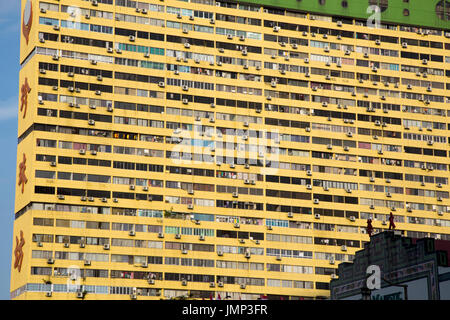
(25, 90)
(27, 21)
(369, 227)
(18, 252)
(22, 177)
(391, 221)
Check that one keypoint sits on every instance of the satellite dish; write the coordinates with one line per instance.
(27, 13)
(27, 20)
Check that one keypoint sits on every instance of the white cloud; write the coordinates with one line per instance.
(9, 13)
(8, 6)
(9, 109)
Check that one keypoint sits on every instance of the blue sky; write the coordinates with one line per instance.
(9, 88)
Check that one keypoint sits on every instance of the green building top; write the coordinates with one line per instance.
(423, 13)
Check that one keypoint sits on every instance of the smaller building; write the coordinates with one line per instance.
(393, 267)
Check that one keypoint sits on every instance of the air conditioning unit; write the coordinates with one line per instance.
(185, 101)
(404, 45)
(187, 45)
(344, 248)
(308, 172)
(247, 255)
(276, 28)
(87, 262)
(317, 216)
(132, 233)
(61, 197)
(190, 206)
(316, 201)
(160, 235)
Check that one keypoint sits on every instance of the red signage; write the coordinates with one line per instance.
(18, 252)
(24, 91)
(22, 177)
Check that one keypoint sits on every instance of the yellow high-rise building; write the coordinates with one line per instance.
(197, 148)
